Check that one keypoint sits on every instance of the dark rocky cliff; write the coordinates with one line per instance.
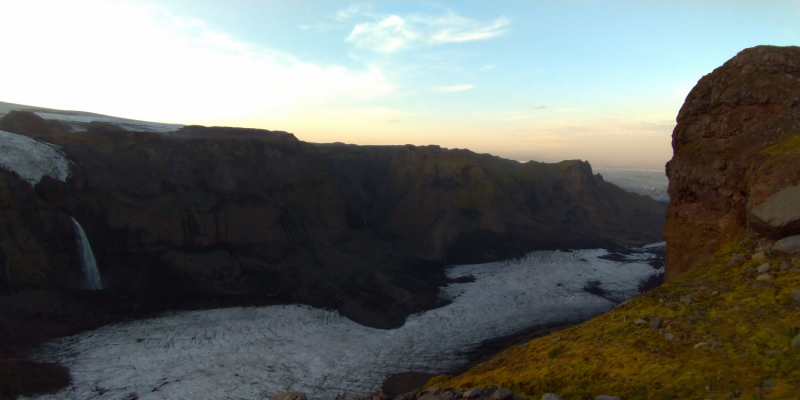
(457, 206)
(736, 143)
(244, 212)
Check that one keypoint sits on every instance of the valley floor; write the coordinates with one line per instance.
(257, 351)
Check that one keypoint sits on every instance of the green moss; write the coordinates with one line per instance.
(554, 353)
(747, 331)
(789, 146)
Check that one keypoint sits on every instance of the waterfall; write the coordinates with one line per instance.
(90, 272)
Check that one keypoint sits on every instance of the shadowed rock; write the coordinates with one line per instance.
(779, 215)
(245, 212)
(789, 245)
(736, 143)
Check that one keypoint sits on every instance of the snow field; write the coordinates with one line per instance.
(32, 159)
(249, 353)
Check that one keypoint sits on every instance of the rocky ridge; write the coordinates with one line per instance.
(366, 230)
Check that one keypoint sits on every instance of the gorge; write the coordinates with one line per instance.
(193, 218)
(200, 218)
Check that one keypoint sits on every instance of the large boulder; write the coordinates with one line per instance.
(779, 215)
(790, 244)
(736, 143)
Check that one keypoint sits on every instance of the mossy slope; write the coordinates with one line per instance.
(747, 330)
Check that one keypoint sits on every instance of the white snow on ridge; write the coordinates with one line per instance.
(79, 120)
(246, 353)
(647, 182)
(32, 159)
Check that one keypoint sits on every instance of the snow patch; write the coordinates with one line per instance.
(240, 353)
(79, 120)
(32, 159)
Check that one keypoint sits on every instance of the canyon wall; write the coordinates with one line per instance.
(244, 212)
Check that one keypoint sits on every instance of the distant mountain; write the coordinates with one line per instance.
(75, 121)
(646, 182)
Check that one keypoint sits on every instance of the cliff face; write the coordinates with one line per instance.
(736, 143)
(457, 206)
(245, 212)
(37, 241)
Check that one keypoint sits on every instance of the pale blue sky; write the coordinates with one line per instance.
(543, 80)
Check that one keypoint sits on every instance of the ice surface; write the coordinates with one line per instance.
(249, 353)
(651, 183)
(32, 159)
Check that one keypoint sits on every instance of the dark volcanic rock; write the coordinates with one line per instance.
(30, 124)
(37, 241)
(736, 143)
(240, 212)
(789, 245)
(457, 206)
(778, 216)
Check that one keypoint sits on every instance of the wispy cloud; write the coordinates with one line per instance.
(487, 67)
(185, 70)
(350, 12)
(452, 89)
(392, 33)
(456, 29)
(388, 35)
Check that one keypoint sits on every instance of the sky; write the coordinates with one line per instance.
(526, 80)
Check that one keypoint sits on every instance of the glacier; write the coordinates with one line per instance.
(32, 159)
(254, 352)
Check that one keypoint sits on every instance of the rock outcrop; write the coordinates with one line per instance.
(736, 143)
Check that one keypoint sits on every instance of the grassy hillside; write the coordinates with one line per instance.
(733, 338)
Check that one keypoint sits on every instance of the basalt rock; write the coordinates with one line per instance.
(37, 242)
(457, 206)
(246, 212)
(736, 143)
(778, 216)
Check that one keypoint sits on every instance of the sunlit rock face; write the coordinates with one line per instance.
(365, 230)
(257, 352)
(737, 142)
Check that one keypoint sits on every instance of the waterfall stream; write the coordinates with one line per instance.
(90, 272)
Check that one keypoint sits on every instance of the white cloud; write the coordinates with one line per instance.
(456, 29)
(393, 33)
(351, 11)
(138, 61)
(451, 89)
(387, 35)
